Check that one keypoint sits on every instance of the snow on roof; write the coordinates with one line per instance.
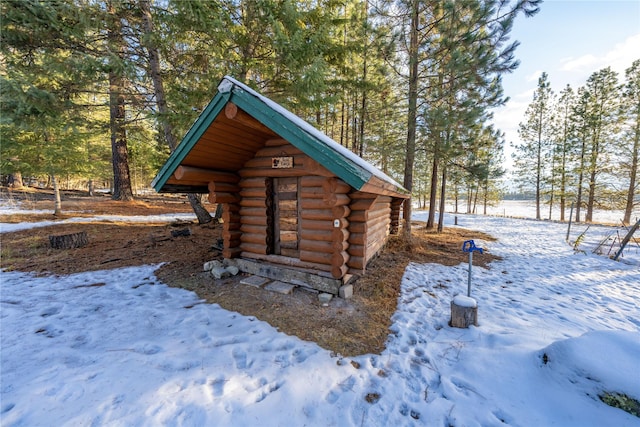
(227, 84)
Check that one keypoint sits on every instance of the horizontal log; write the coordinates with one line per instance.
(249, 228)
(190, 173)
(313, 181)
(356, 262)
(336, 199)
(321, 235)
(271, 173)
(380, 228)
(259, 182)
(361, 204)
(309, 224)
(223, 198)
(316, 246)
(290, 253)
(374, 214)
(278, 151)
(307, 203)
(339, 246)
(315, 168)
(232, 226)
(230, 217)
(311, 192)
(253, 192)
(230, 253)
(356, 250)
(231, 234)
(362, 195)
(254, 220)
(358, 216)
(251, 202)
(339, 258)
(338, 272)
(235, 243)
(374, 249)
(341, 211)
(254, 248)
(284, 260)
(222, 187)
(357, 238)
(260, 239)
(340, 235)
(374, 221)
(336, 186)
(267, 162)
(315, 257)
(232, 112)
(317, 214)
(260, 212)
(276, 142)
(230, 207)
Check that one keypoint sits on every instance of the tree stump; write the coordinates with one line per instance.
(69, 241)
(464, 312)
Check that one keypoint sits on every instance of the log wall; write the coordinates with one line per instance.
(339, 230)
(249, 211)
(370, 221)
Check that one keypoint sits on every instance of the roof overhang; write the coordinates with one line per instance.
(235, 124)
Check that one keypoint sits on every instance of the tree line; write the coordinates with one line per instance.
(582, 145)
(102, 90)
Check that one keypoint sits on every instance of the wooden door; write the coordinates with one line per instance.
(286, 221)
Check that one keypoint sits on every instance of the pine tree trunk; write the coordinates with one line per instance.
(201, 213)
(592, 181)
(433, 189)
(442, 199)
(56, 193)
(15, 180)
(119, 151)
(411, 115)
(632, 173)
(158, 85)
(580, 181)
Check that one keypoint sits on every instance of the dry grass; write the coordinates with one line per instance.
(350, 327)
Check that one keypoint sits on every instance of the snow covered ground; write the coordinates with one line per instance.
(117, 347)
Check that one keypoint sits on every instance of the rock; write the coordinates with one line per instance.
(345, 291)
(220, 272)
(232, 269)
(255, 281)
(210, 265)
(324, 298)
(280, 287)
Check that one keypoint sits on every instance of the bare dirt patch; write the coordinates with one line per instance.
(348, 327)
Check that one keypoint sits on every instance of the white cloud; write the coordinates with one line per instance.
(619, 58)
(533, 77)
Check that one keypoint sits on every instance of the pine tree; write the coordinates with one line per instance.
(601, 120)
(535, 134)
(631, 139)
(564, 149)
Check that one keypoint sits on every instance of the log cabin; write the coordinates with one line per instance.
(297, 206)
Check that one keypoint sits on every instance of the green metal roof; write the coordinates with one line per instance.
(343, 163)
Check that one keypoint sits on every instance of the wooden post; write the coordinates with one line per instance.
(625, 241)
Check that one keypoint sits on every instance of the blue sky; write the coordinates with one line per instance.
(569, 40)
